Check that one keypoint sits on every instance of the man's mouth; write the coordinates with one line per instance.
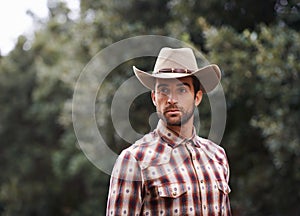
(172, 111)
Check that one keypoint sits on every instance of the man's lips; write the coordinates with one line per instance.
(172, 111)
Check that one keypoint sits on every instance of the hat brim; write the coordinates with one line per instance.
(209, 77)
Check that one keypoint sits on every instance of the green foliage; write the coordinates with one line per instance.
(261, 79)
(289, 12)
(44, 171)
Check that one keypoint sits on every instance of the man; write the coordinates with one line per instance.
(172, 171)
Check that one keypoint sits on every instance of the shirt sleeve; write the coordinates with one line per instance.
(227, 201)
(125, 191)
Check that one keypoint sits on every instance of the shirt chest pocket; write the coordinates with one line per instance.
(171, 190)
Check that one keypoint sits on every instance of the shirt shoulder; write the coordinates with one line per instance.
(213, 150)
(150, 150)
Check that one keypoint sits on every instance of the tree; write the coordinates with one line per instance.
(44, 171)
(261, 78)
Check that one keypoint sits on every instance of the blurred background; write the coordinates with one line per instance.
(256, 44)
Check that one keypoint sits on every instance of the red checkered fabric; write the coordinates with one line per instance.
(164, 174)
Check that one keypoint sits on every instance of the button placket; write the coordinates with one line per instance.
(198, 172)
(191, 150)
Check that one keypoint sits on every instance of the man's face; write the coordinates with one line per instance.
(175, 100)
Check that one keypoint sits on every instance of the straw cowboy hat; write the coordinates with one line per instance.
(178, 63)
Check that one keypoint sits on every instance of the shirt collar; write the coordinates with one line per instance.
(172, 138)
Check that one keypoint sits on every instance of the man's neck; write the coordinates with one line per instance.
(185, 130)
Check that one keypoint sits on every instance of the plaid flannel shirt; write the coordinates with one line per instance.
(164, 174)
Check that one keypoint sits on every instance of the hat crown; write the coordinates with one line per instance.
(182, 58)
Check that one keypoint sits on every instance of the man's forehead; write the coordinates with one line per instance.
(175, 81)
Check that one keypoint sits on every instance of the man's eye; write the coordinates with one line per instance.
(164, 90)
(182, 90)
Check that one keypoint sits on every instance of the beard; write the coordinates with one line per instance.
(175, 120)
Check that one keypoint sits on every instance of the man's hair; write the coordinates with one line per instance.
(196, 84)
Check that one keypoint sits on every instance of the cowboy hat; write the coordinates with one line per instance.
(178, 63)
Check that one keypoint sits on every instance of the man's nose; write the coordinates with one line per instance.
(172, 98)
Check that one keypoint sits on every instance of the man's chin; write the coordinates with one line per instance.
(176, 124)
(173, 122)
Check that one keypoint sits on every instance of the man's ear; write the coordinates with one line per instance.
(153, 97)
(198, 97)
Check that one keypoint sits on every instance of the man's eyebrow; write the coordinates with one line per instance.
(162, 85)
(184, 83)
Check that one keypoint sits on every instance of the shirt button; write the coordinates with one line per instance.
(201, 181)
(174, 193)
